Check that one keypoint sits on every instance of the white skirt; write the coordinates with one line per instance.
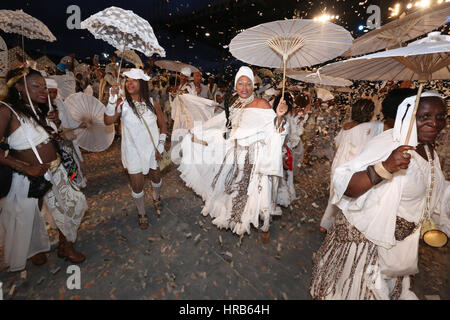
(22, 228)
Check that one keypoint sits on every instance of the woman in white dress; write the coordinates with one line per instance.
(352, 139)
(234, 160)
(385, 193)
(144, 133)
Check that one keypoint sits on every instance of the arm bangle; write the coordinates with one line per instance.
(373, 176)
(382, 172)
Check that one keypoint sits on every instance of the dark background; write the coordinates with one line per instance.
(180, 26)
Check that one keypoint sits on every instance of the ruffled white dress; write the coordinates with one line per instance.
(237, 177)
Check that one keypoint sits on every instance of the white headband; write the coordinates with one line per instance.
(244, 71)
(403, 119)
(137, 74)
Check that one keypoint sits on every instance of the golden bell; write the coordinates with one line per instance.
(432, 236)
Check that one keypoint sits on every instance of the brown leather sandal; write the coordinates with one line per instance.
(143, 222)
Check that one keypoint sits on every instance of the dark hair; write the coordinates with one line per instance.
(362, 110)
(289, 101)
(394, 99)
(228, 101)
(302, 101)
(18, 103)
(144, 95)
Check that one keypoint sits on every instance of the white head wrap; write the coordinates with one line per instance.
(137, 74)
(403, 119)
(51, 83)
(244, 71)
(186, 71)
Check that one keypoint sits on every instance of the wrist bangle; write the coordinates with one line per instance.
(382, 171)
(373, 176)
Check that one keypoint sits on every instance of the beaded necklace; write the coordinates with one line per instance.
(430, 187)
(239, 104)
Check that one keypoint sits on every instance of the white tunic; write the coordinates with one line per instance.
(138, 152)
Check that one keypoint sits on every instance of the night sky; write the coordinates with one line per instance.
(181, 26)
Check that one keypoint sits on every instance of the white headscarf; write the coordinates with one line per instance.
(51, 83)
(244, 71)
(403, 119)
(186, 71)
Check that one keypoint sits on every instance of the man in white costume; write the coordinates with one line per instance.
(200, 89)
(211, 88)
(385, 193)
(144, 133)
(234, 160)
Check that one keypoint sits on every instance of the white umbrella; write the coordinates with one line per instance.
(290, 43)
(27, 26)
(316, 78)
(123, 29)
(3, 58)
(131, 56)
(175, 66)
(21, 23)
(396, 33)
(85, 108)
(425, 59)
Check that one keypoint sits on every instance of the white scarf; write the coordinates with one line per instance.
(403, 119)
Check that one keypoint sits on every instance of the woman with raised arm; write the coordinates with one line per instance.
(144, 132)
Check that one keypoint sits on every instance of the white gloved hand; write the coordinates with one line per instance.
(113, 98)
(160, 148)
(110, 109)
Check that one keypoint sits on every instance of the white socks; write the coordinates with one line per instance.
(139, 200)
(156, 187)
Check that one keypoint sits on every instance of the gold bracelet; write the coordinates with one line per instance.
(382, 172)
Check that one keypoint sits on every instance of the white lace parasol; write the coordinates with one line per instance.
(121, 28)
(131, 56)
(21, 23)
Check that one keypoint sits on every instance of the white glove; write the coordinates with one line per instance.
(162, 138)
(162, 141)
(110, 109)
(160, 148)
(113, 98)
